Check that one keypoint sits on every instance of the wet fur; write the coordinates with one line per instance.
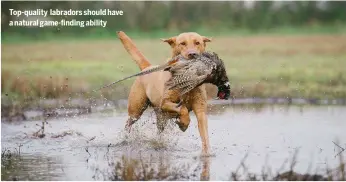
(150, 89)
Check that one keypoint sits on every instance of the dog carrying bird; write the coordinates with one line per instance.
(188, 74)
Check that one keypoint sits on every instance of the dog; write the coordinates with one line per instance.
(150, 89)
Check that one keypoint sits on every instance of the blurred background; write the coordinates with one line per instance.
(215, 17)
(271, 49)
(281, 57)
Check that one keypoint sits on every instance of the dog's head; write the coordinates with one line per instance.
(187, 44)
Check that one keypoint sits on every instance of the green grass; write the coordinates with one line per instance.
(106, 34)
(308, 66)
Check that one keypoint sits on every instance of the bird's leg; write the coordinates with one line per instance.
(179, 103)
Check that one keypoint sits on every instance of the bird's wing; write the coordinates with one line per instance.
(180, 73)
(192, 84)
(188, 77)
(183, 64)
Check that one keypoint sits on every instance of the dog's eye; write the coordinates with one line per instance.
(197, 43)
(183, 43)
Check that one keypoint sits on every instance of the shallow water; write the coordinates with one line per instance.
(85, 147)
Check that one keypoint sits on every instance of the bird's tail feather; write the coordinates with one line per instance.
(144, 72)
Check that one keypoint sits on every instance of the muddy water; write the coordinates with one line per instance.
(86, 147)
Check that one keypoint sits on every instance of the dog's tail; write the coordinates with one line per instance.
(130, 47)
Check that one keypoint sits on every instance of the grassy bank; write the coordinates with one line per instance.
(309, 66)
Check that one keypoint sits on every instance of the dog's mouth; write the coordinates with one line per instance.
(192, 55)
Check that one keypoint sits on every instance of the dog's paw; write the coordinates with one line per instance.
(128, 128)
(182, 126)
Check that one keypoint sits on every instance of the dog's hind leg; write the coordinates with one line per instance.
(137, 103)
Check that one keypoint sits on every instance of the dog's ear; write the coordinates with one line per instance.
(170, 41)
(206, 39)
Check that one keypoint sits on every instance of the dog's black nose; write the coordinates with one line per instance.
(192, 55)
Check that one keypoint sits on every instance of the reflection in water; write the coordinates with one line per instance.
(154, 160)
(205, 174)
(137, 158)
(139, 169)
(98, 143)
(30, 167)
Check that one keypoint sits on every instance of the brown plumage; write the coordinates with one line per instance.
(189, 74)
(204, 68)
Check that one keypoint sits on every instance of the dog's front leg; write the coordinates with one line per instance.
(203, 128)
(168, 105)
(199, 107)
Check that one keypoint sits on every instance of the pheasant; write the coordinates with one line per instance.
(204, 68)
(189, 74)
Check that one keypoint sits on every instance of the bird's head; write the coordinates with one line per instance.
(224, 91)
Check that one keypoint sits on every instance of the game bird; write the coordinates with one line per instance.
(188, 74)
